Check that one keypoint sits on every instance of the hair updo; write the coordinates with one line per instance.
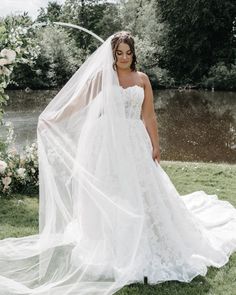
(123, 37)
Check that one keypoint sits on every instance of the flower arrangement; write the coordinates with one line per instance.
(18, 171)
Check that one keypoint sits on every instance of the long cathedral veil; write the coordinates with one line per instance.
(90, 199)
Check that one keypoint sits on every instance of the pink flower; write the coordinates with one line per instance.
(9, 54)
(6, 181)
(3, 166)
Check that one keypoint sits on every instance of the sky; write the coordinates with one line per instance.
(19, 6)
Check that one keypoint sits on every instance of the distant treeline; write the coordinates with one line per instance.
(179, 43)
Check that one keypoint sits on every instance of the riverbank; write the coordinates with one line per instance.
(19, 217)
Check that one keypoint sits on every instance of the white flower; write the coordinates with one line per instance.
(13, 151)
(3, 166)
(6, 181)
(9, 54)
(18, 49)
(5, 71)
(4, 61)
(32, 170)
(21, 172)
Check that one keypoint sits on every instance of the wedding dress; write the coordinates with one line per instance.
(181, 235)
(109, 214)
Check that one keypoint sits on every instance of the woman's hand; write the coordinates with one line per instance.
(156, 155)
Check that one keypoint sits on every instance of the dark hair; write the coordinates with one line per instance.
(123, 37)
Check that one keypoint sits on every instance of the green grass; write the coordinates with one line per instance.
(19, 218)
(219, 179)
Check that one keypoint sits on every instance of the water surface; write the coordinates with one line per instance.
(193, 125)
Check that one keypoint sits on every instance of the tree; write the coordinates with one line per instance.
(143, 20)
(147, 34)
(59, 58)
(51, 13)
(199, 34)
(88, 15)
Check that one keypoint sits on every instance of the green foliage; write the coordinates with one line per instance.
(110, 22)
(19, 172)
(60, 56)
(199, 34)
(88, 14)
(177, 42)
(134, 15)
(221, 77)
(18, 215)
(17, 47)
(58, 60)
(149, 36)
(163, 78)
(51, 13)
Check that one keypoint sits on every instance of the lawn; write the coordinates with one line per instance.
(19, 217)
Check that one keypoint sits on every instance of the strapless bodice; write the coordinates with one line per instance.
(133, 99)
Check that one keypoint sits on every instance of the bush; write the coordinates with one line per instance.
(57, 61)
(221, 77)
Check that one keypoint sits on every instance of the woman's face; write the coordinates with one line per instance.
(124, 56)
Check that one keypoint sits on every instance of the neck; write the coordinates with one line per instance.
(122, 72)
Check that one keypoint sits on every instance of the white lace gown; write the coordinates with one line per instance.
(182, 234)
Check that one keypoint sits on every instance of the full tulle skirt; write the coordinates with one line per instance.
(168, 237)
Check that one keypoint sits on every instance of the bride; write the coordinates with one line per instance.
(109, 214)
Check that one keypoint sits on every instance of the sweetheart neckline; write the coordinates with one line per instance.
(131, 87)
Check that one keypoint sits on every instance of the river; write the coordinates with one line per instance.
(193, 125)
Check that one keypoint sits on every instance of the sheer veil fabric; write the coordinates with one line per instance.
(92, 212)
(84, 205)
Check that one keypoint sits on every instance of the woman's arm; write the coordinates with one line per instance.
(73, 106)
(149, 117)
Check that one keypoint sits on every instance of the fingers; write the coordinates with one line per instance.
(156, 157)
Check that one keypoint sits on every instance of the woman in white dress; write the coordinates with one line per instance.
(109, 214)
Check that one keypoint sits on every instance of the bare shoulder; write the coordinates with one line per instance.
(145, 80)
(144, 77)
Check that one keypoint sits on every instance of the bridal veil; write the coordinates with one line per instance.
(91, 212)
